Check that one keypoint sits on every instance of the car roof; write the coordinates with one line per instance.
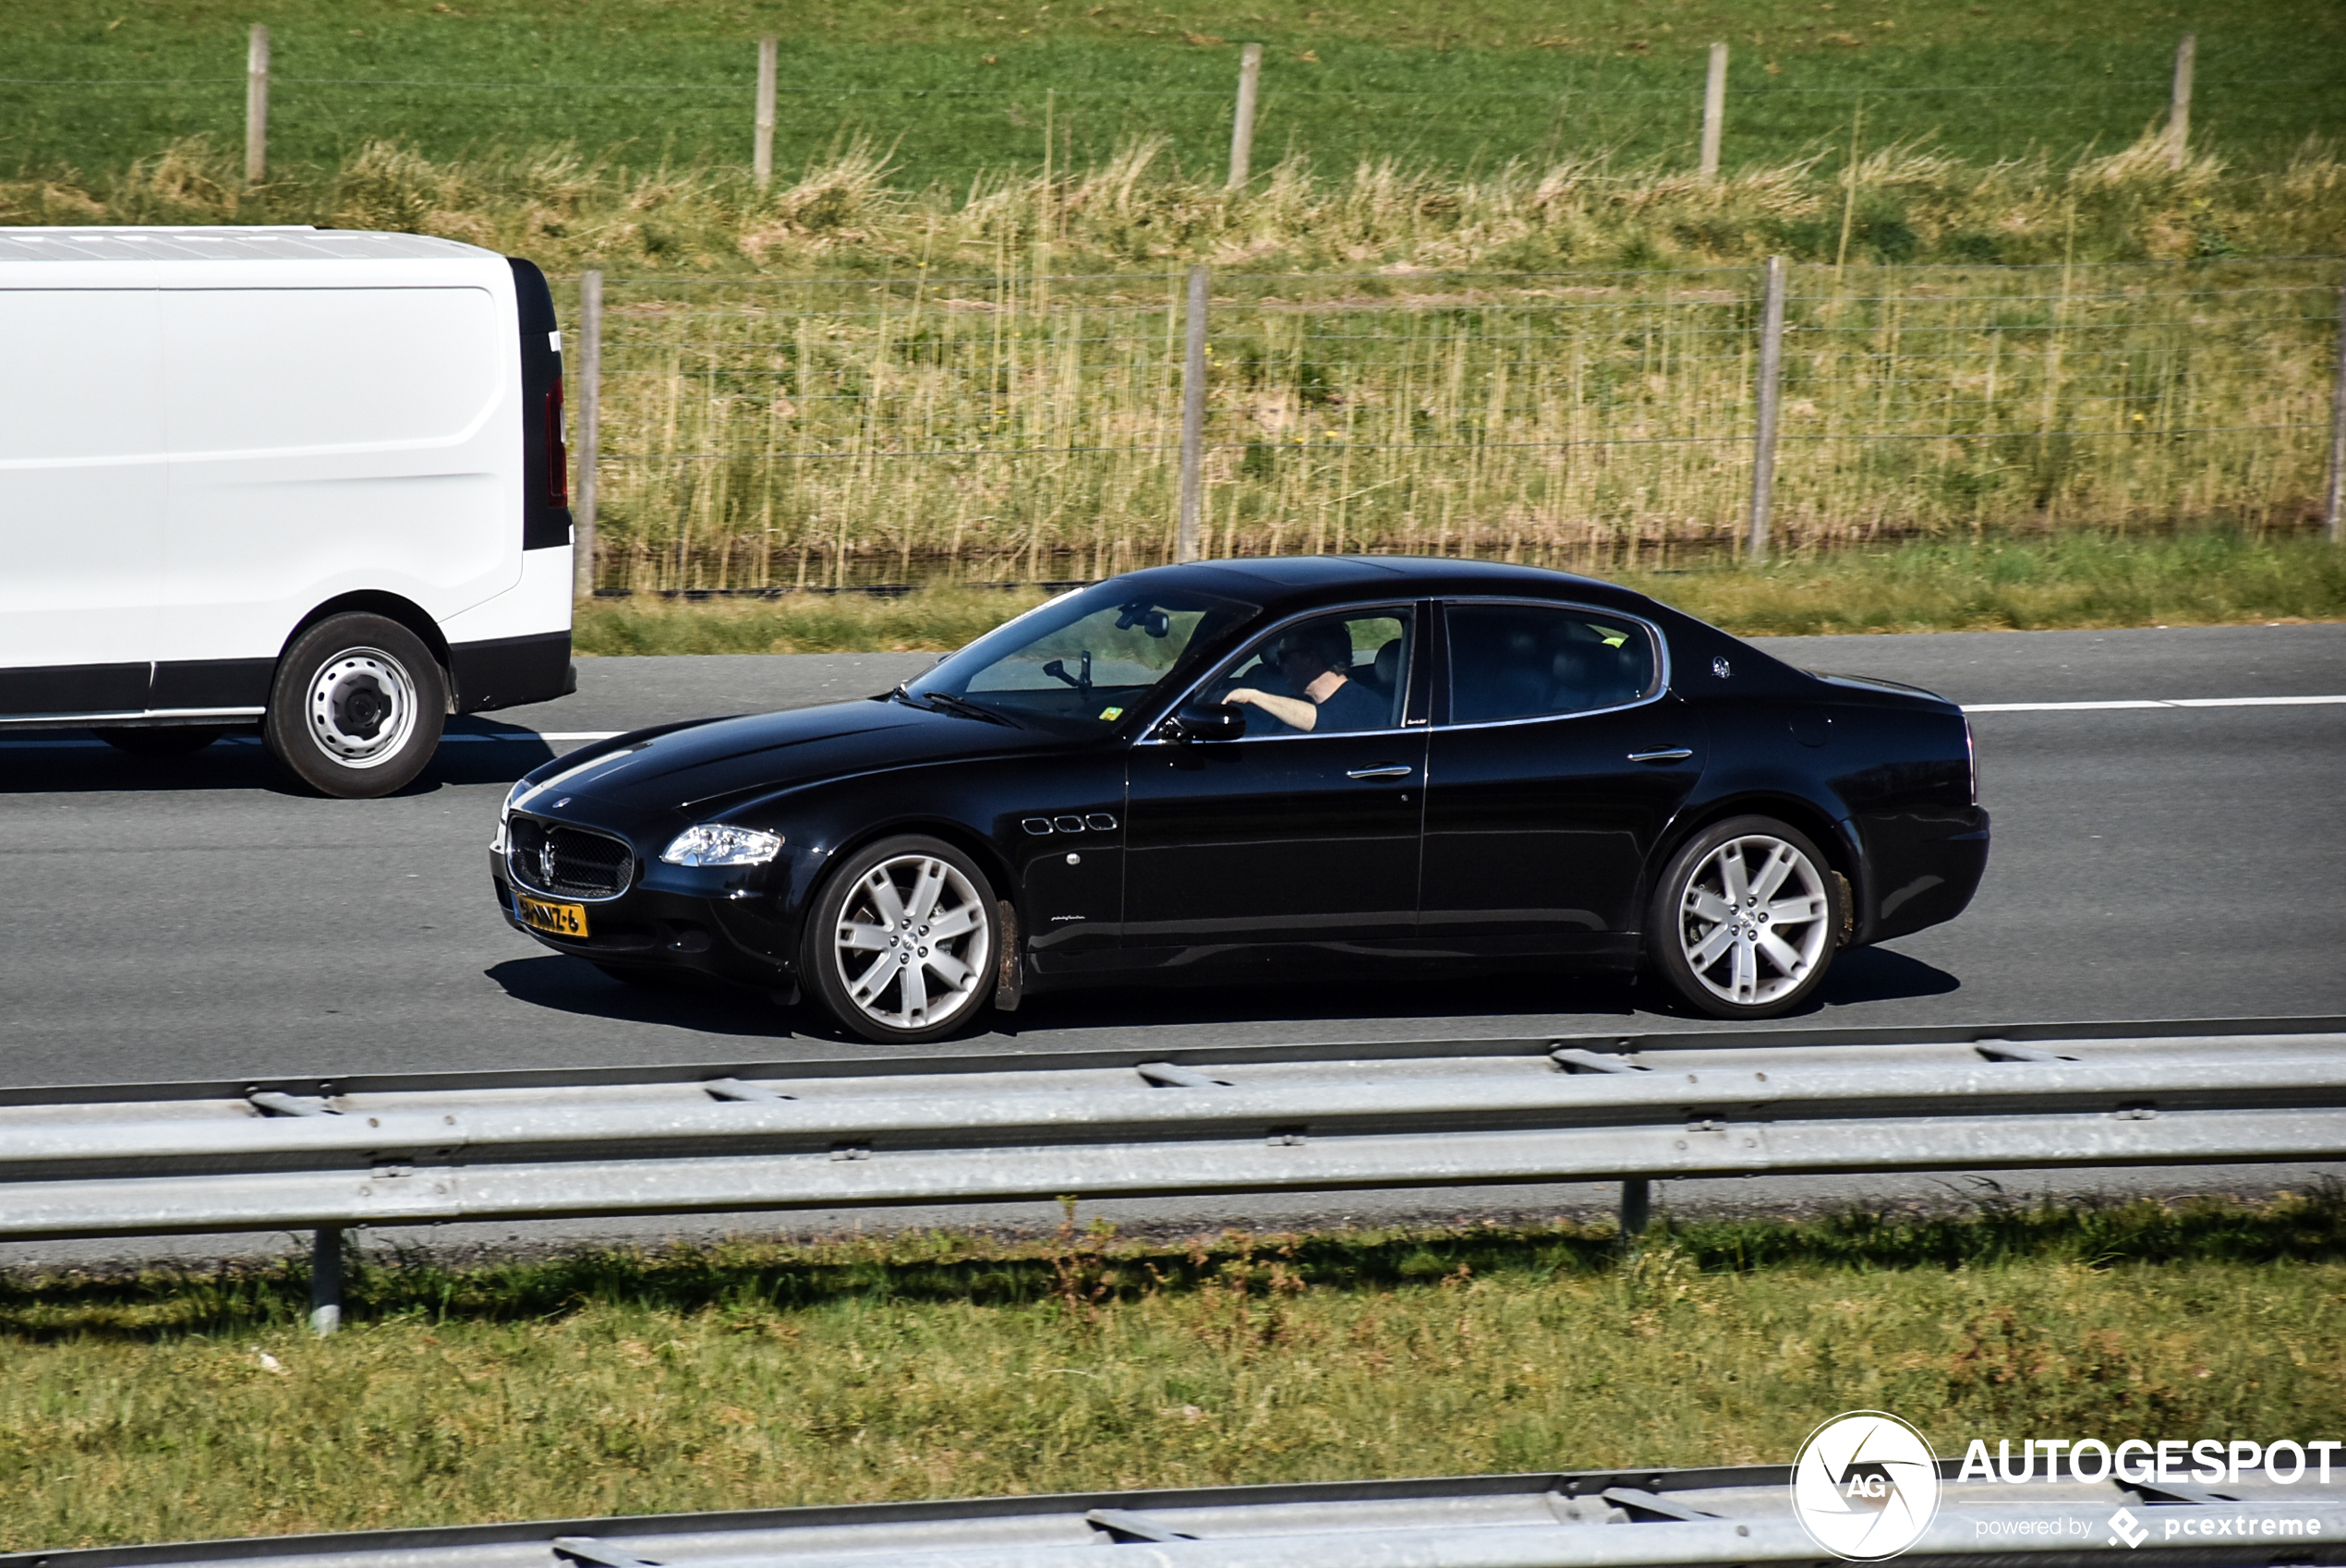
(1277, 582)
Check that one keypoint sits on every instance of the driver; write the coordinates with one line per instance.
(1320, 696)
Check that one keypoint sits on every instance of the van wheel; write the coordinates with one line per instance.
(160, 739)
(356, 708)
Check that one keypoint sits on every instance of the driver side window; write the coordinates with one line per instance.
(1345, 672)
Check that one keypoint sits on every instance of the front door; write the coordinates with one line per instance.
(1560, 761)
(1297, 835)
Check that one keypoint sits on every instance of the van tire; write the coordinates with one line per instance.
(357, 706)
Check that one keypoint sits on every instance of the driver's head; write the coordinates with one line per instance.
(1309, 652)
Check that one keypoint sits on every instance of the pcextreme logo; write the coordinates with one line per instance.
(1866, 1486)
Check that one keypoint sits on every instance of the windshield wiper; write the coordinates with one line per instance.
(947, 702)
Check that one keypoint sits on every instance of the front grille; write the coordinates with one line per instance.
(549, 857)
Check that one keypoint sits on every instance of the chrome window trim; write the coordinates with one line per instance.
(535, 891)
(1662, 660)
(1409, 613)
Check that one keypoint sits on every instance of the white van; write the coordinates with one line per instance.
(307, 479)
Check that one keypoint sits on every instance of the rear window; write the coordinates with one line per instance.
(1532, 661)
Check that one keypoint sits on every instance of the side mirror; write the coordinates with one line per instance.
(1206, 722)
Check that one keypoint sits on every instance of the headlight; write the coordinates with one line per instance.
(722, 846)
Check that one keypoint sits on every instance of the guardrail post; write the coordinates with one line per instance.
(1242, 121)
(2334, 507)
(762, 151)
(1637, 1206)
(590, 429)
(1714, 111)
(1193, 414)
(257, 104)
(1770, 391)
(325, 1282)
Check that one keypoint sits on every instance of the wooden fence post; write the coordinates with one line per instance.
(257, 104)
(1193, 414)
(591, 423)
(1714, 110)
(1763, 447)
(2179, 102)
(1242, 122)
(2334, 506)
(762, 158)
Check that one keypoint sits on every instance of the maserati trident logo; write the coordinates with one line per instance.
(1866, 1486)
(545, 863)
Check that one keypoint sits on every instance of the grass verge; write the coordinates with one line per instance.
(2075, 580)
(171, 1405)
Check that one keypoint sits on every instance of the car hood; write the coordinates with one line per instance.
(704, 768)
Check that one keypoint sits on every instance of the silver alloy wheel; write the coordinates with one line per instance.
(362, 708)
(1755, 919)
(912, 945)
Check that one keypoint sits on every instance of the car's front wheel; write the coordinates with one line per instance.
(901, 941)
(356, 708)
(1745, 919)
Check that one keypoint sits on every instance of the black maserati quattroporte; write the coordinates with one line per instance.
(1267, 768)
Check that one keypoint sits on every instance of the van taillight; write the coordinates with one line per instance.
(557, 454)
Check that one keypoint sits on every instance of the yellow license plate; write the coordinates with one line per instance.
(559, 920)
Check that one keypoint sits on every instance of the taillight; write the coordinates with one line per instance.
(1971, 757)
(557, 454)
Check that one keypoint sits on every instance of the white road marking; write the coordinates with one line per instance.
(2177, 701)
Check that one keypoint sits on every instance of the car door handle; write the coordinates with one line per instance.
(1390, 770)
(1665, 753)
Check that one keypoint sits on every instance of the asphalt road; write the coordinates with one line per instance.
(194, 919)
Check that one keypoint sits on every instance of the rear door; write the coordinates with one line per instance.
(1559, 758)
(1284, 837)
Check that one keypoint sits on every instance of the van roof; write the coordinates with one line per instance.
(296, 242)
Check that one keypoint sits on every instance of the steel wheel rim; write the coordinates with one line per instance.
(362, 708)
(1753, 920)
(911, 942)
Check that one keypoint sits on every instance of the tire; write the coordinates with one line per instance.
(1765, 957)
(357, 706)
(160, 739)
(878, 909)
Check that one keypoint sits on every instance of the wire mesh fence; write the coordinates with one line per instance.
(760, 434)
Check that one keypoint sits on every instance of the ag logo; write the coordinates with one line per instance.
(1866, 1486)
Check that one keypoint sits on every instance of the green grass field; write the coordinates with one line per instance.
(760, 1375)
(953, 89)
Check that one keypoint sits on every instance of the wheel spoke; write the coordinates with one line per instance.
(1791, 912)
(916, 994)
(927, 883)
(873, 980)
(1772, 872)
(856, 936)
(886, 903)
(1780, 953)
(954, 921)
(1706, 952)
(1702, 901)
(948, 968)
(1745, 974)
(1731, 875)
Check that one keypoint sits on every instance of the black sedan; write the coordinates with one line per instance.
(1267, 768)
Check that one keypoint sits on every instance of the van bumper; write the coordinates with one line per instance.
(509, 671)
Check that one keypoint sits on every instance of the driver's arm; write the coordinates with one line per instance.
(1293, 712)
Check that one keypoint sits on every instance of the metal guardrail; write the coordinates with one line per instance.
(393, 1150)
(1738, 1515)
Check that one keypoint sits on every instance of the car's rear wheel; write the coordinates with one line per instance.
(900, 942)
(160, 739)
(1745, 919)
(356, 708)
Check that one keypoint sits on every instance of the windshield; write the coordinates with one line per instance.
(1085, 659)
